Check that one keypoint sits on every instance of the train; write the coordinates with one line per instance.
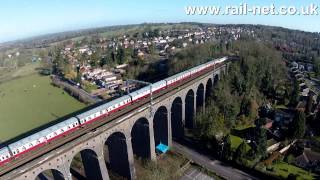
(41, 138)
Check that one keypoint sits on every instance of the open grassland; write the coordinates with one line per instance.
(28, 69)
(29, 102)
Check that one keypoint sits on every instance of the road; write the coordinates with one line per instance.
(195, 174)
(83, 95)
(215, 166)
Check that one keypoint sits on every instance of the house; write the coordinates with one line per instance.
(82, 50)
(68, 47)
(308, 159)
(301, 106)
(140, 54)
(309, 67)
(163, 41)
(305, 92)
(268, 124)
(283, 117)
(122, 66)
(184, 44)
(294, 65)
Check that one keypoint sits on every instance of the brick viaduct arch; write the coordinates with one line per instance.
(112, 147)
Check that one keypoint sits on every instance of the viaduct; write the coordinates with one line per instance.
(112, 146)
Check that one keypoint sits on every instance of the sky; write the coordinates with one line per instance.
(26, 18)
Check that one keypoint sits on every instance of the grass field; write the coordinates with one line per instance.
(29, 102)
(283, 169)
(26, 70)
(235, 141)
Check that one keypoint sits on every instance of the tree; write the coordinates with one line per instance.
(309, 104)
(240, 153)
(226, 148)
(120, 55)
(260, 122)
(156, 32)
(298, 125)
(94, 59)
(57, 62)
(317, 66)
(103, 61)
(113, 56)
(295, 94)
(261, 141)
(267, 84)
(245, 107)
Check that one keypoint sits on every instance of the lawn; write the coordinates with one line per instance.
(283, 169)
(29, 102)
(235, 141)
(243, 127)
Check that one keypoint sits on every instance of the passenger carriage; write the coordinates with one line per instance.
(4, 155)
(49, 134)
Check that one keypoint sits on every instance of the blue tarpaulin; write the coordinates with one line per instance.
(162, 148)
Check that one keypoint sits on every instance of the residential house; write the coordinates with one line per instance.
(308, 159)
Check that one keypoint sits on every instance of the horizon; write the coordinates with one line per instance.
(24, 20)
(105, 26)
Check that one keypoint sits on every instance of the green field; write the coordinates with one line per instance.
(29, 102)
(283, 169)
(235, 141)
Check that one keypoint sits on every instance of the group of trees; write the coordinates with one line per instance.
(251, 82)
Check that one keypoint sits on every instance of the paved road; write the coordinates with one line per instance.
(215, 166)
(194, 174)
(83, 95)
